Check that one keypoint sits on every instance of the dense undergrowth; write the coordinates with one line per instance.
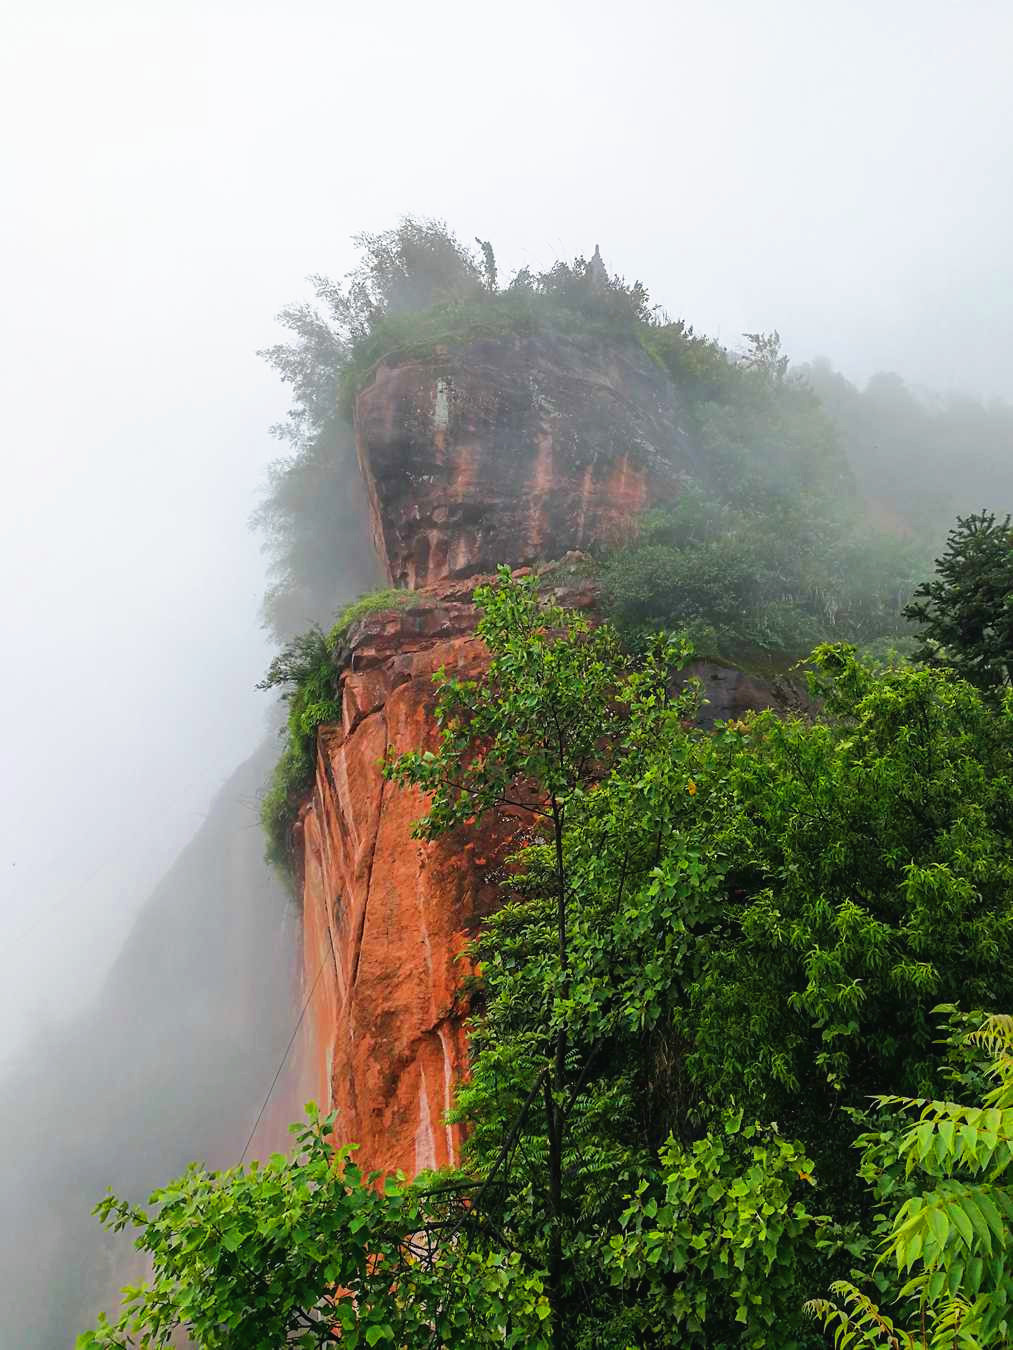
(741, 1049)
(742, 1064)
(760, 580)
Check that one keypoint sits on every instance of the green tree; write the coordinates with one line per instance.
(306, 1251)
(966, 612)
(530, 738)
(582, 970)
(764, 355)
(874, 881)
(763, 915)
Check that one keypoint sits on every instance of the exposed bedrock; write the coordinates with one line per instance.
(387, 917)
(515, 448)
(511, 449)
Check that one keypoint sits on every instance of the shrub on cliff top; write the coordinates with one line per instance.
(314, 509)
(417, 287)
(518, 309)
(373, 603)
(417, 284)
(766, 577)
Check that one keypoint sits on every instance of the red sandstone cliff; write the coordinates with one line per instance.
(510, 449)
(387, 917)
(515, 449)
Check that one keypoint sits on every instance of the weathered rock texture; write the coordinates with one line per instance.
(513, 449)
(510, 449)
(387, 917)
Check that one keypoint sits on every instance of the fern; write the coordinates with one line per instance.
(951, 1239)
(859, 1323)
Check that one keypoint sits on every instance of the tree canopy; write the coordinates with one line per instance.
(727, 964)
(966, 610)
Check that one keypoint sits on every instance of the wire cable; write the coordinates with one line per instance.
(288, 1051)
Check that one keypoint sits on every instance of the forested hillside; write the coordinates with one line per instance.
(741, 1044)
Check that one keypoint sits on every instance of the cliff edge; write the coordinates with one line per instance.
(514, 449)
(509, 449)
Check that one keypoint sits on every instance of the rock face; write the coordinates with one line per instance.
(510, 449)
(728, 692)
(513, 449)
(387, 917)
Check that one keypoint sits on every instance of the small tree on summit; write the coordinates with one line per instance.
(966, 613)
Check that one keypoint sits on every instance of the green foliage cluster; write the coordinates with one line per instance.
(716, 1243)
(765, 915)
(305, 667)
(307, 1251)
(570, 297)
(707, 932)
(764, 430)
(372, 603)
(966, 611)
(949, 1238)
(761, 578)
(308, 669)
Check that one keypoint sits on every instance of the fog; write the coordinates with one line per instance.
(171, 172)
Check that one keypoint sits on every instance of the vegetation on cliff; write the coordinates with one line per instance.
(708, 932)
(775, 435)
(741, 1045)
(308, 669)
(762, 561)
(759, 919)
(762, 579)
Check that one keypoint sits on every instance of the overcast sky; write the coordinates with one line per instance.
(171, 171)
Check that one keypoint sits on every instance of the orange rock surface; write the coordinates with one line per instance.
(517, 449)
(387, 917)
